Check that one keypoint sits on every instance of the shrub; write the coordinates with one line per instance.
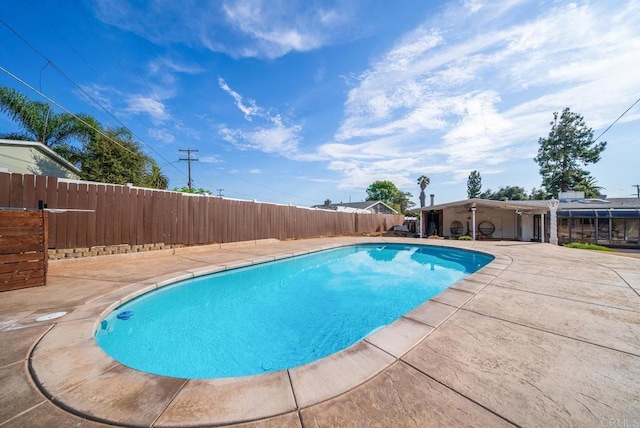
(465, 238)
(585, 246)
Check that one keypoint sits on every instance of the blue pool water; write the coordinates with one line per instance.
(281, 314)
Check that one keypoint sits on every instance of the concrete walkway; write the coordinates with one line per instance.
(543, 336)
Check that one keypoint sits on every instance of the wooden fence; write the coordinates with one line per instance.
(23, 249)
(92, 214)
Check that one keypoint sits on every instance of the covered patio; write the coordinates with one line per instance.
(486, 219)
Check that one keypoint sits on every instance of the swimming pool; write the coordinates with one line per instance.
(281, 314)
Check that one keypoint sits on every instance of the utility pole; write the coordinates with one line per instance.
(189, 159)
(637, 186)
(220, 192)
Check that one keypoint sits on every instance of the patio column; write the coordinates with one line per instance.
(421, 221)
(473, 223)
(553, 221)
(542, 228)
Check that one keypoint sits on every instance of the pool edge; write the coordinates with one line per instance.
(375, 350)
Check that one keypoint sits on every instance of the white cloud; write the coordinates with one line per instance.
(475, 92)
(162, 135)
(140, 104)
(276, 31)
(249, 108)
(123, 104)
(240, 28)
(167, 64)
(209, 159)
(255, 171)
(99, 93)
(273, 136)
(278, 139)
(473, 5)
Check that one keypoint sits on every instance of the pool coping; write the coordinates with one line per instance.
(71, 370)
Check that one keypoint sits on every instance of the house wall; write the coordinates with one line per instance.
(381, 209)
(503, 220)
(29, 160)
(351, 210)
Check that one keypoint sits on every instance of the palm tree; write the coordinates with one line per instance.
(423, 182)
(590, 187)
(40, 123)
(155, 178)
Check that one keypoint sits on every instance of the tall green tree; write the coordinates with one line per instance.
(506, 193)
(381, 190)
(403, 201)
(112, 156)
(474, 185)
(387, 192)
(108, 156)
(423, 182)
(486, 194)
(562, 155)
(538, 194)
(510, 193)
(38, 122)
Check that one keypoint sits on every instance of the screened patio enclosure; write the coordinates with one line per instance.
(604, 227)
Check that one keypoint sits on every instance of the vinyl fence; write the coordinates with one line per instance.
(83, 214)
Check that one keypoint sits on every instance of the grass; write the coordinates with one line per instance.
(585, 246)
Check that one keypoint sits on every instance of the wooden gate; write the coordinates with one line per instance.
(23, 249)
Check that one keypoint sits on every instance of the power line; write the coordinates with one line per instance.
(266, 187)
(65, 109)
(619, 117)
(99, 105)
(172, 163)
(74, 84)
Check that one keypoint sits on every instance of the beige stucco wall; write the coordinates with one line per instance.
(503, 220)
(29, 160)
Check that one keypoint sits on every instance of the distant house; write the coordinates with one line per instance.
(32, 157)
(609, 222)
(377, 207)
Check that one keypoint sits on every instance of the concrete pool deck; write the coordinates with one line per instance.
(543, 336)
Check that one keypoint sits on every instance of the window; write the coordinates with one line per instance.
(588, 229)
(603, 229)
(563, 229)
(617, 230)
(625, 231)
(633, 230)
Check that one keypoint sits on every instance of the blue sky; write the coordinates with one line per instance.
(296, 102)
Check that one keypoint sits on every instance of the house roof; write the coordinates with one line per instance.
(538, 206)
(541, 206)
(46, 151)
(614, 203)
(365, 205)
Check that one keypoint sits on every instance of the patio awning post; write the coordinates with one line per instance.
(473, 223)
(553, 221)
